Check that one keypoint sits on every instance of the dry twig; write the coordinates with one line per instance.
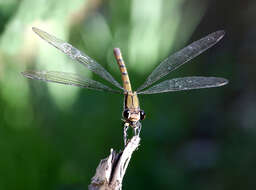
(110, 171)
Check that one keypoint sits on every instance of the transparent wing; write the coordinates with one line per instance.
(74, 53)
(68, 79)
(179, 58)
(186, 83)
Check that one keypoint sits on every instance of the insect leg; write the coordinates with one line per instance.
(126, 126)
(137, 129)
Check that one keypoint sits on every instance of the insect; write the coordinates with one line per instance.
(132, 114)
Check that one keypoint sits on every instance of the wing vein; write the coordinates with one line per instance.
(181, 57)
(77, 55)
(68, 79)
(185, 83)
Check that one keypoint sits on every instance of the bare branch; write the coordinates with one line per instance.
(110, 171)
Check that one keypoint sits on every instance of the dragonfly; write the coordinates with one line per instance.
(132, 114)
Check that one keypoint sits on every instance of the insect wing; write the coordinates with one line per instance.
(74, 53)
(181, 57)
(186, 83)
(68, 79)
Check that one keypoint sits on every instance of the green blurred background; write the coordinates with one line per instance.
(52, 136)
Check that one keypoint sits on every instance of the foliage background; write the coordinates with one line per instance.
(53, 136)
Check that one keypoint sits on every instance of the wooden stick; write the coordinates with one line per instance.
(110, 171)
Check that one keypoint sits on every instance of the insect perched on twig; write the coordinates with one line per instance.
(132, 114)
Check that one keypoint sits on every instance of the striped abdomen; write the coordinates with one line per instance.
(122, 67)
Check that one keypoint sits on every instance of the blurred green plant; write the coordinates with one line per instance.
(49, 133)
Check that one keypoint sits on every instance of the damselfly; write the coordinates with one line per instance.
(132, 114)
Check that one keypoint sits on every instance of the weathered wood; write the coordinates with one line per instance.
(111, 170)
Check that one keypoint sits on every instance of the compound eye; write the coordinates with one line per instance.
(126, 114)
(142, 114)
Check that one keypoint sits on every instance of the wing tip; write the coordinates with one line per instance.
(36, 30)
(26, 74)
(33, 74)
(220, 34)
(42, 34)
(220, 81)
(224, 81)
